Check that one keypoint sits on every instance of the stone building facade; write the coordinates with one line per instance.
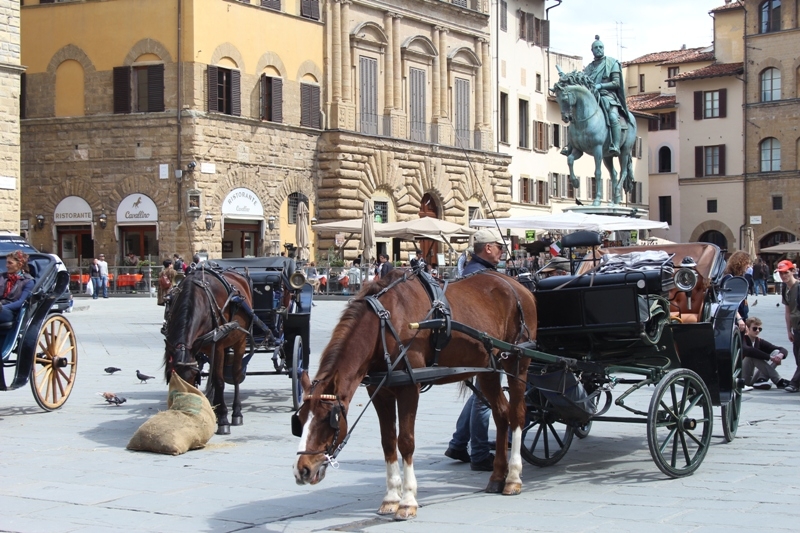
(408, 99)
(189, 131)
(10, 79)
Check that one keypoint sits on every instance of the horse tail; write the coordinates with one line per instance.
(209, 392)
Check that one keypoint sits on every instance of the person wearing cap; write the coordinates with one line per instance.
(101, 263)
(790, 296)
(558, 266)
(488, 246)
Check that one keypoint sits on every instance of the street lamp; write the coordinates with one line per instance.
(271, 222)
(103, 219)
(40, 221)
(209, 221)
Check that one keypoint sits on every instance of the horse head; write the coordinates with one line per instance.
(566, 101)
(189, 316)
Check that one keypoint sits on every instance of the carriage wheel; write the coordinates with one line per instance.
(279, 359)
(55, 363)
(679, 423)
(296, 371)
(732, 409)
(545, 438)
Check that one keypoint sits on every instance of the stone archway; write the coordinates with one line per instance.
(714, 225)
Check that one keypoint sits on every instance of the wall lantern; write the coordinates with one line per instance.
(103, 219)
(314, 221)
(40, 221)
(209, 221)
(271, 222)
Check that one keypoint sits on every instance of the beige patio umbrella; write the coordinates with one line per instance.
(749, 244)
(301, 233)
(367, 233)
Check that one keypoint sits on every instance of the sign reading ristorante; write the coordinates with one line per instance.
(242, 203)
(73, 210)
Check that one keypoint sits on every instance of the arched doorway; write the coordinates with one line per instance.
(774, 238)
(714, 237)
(430, 248)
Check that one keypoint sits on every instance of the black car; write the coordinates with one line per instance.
(10, 242)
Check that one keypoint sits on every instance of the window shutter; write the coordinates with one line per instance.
(305, 8)
(155, 88)
(545, 38)
(276, 101)
(22, 95)
(537, 32)
(639, 147)
(263, 96)
(698, 105)
(315, 9)
(722, 160)
(122, 89)
(272, 4)
(236, 93)
(316, 119)
(521, 17)
(212, 73)
(503, 15)
(723, 103)
(529, 25)
(698, 161)
(305, 104)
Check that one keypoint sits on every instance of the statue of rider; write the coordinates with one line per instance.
(606, 73)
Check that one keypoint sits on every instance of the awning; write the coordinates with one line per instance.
(571, 221)
(72, 211)
(783, 248)
(136, 210)
(243, 204)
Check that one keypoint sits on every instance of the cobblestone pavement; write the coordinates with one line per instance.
(69, 470)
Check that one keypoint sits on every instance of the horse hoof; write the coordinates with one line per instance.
(223, 430)
(406, 513)
(512, 489)
(388, 508)
(494, 487)
(237, 420)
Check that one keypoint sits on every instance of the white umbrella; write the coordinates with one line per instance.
(422, 227)
(572, 221)
(367, 232)
(783, 248)
(352, 225)
(301, 233)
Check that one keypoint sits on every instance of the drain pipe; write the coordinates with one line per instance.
(547, 18)
(179, 164)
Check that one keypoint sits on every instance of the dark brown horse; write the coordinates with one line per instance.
(199, 306)
(487, 301)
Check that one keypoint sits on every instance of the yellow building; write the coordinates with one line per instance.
(162, 126)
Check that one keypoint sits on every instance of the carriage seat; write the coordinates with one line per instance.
(653, 283)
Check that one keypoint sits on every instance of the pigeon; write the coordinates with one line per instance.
(578, 202)
(112, 399)
(143, 377)
(111, 369)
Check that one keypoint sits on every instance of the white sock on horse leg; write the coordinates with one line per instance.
(515, 458)
(393, 483)
(409, 487)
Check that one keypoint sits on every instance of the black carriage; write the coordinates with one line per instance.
(282, 300)
(39, 346)
(668, 321)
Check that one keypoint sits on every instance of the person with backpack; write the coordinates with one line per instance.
(760, 273)
(166, 280)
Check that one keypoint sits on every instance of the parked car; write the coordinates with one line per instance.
(10, 242)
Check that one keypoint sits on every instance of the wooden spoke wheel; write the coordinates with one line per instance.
(732, 409)
(55, 364)
(296, 371)
(679, 423)
(545, 437)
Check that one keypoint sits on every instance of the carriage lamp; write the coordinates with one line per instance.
(685, 279)
(271, 222)
(314, 221)
(209, 221)
(40, 221)
(103, 219)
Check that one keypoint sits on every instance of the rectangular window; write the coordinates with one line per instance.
(711, 104)
(641, 83)
(416, 95)
(473, 212)
(381, 212)
(711, 161)
(540, 136)
(308, 9)
(523, 124)
(271, 4)
(671, 73)
(556, 138)
(525, 190)
(503, 118)
(711, 206)
(592, 187)
(309, 106)
(667, 121)
(570, 189)
(461, 3)
(652, 124)
(271, 98)
(462, 112)
(530, 26)
(293, 201)
(224, 91)
(542, 192)
(368, 77)
(139, 89)
(777, 203)
(538, 82)
(665, 209)
(503, 15)
(554, 185)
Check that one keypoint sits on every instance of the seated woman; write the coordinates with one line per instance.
(16, 285)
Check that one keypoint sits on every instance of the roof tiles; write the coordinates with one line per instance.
(715, 70)
(650, 101)
(688, 55)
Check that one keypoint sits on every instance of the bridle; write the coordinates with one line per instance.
(338, 412)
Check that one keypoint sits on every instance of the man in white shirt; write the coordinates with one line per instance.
(103, 274)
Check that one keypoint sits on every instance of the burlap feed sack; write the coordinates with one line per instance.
(188, 424)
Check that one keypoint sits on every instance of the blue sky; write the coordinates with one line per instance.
(639, 26)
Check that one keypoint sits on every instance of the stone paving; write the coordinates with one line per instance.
(69, 470)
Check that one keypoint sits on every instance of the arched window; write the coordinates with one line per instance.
(714, 237)
(776, 237)
(769, 16)
(70, 89)
(294, 200)
(770, 150)
(664, 159)
(770, 85)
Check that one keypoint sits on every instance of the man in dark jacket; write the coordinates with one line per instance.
(488, 246)
(385, 266)
(760, 358)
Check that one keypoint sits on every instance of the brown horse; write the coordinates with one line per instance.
(487, 301)
(199, 306)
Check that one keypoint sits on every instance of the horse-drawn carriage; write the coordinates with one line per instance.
(38, 345)
(225, 311)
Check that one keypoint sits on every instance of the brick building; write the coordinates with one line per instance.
(10, 75)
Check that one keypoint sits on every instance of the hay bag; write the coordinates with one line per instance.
(188, 424)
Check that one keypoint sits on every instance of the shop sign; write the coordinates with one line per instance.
(242, 203)
(755, 220)
(73, 210)
(137, 209)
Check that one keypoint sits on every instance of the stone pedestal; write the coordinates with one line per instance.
(343, 116)
(608, 210)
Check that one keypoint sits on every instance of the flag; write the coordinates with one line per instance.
(555, 248)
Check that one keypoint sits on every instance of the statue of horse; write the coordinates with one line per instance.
(203, 322)
(360, 345)
(588, 133)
